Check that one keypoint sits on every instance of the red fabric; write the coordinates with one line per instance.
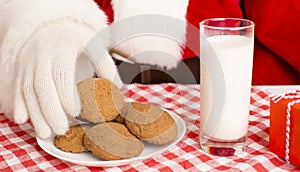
(277, 28)
(199, 10)
(105, 5)
(270, 69)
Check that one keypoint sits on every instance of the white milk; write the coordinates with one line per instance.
(235, 56)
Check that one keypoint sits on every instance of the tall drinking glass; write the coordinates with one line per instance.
(226, 55)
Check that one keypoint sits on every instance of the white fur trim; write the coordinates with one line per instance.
(24, 18)
(20, 19)
(152, 49)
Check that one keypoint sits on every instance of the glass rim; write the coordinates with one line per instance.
(251, 24)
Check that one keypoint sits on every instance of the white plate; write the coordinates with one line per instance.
(87, 159)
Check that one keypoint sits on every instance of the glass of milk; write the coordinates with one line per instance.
(226, 55)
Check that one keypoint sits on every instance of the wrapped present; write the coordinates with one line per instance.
(285, 126)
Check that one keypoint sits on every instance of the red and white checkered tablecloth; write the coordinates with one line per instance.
(20, 151)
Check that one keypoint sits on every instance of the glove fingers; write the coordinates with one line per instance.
(20, 110)
(47, 93)
(41, 126)
(107, 69)
(63, 75)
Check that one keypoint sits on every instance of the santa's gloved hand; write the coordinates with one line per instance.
(45, 68)
(149, 32)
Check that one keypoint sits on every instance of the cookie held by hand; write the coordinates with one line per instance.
(149, 123)
(100, 100)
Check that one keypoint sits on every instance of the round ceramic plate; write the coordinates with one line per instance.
(88, 159)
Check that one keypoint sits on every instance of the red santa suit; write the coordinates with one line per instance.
(276, 59)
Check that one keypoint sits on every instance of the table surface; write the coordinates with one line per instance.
(20, 151)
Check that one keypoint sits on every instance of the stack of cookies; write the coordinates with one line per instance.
(115, 130)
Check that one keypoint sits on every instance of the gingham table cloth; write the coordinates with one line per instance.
(20, 152)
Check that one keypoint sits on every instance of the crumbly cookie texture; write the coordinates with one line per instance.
(101, 100)
(119, 119)
(112, 141)
(156, 126)
(72, 141)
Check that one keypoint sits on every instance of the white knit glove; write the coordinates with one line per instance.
(150, 32)
(44, 70)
